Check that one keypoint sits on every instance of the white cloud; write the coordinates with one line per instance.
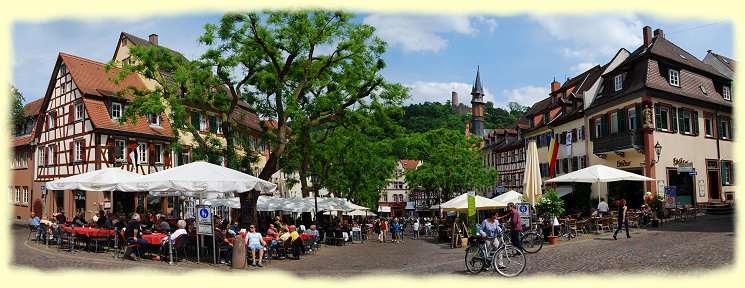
(582, 67)
(526, 96)
(441, 92)
(593, 35)
(415, 33)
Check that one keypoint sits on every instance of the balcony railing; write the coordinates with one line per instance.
(620, 141)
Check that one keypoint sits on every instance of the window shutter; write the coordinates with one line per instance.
(603, 125)
(167, 158)
(83, 152)
(674, 122)
(592, 129)
(110, 149)
(71, 116)
(195, 120)
(213, 124)
(72, 152)
(621, 119)
(681, 120)
(731, 129)
(574, 135)
(131, 146)
(56, 154)
(639, 120)
(657, 117)
(151, 154)
(583, 133)
(723, 172)
(695, 122)
(720, 128)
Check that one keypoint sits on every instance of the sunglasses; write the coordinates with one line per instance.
(251, 227)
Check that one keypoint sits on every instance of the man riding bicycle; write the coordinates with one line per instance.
(489, 229)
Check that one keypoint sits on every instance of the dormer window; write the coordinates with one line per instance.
(618, 82)
(684, 57)
(703, 90)
(154, 119)
(545, 118)
(726, 93)
(674, 77)
(124, 42)
(116, 111)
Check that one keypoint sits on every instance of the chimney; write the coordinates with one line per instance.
(154, 39)
(454, 97)
(555, 86)
(658, 32)
(647, 33)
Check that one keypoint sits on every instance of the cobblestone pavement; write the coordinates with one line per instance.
(684, 248)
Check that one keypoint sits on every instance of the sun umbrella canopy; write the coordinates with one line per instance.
(532, 175)
(99, 180)
(232, 202)
(599, 173)
(361, 213)
(196, 177)
(335, 204)
(460, 203)
(509, 196)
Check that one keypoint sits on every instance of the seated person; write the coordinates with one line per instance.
(110, 222)
(163, 224)
(594, 213)
(133, 234)
(61, 218)
(313, 231)
(224, 244)
(255, 243)
(234, 227)
(646, 215)
(101, 221)
(121, 223)
(295, 244)
(33, 221)
(283, 242)
(79, 220)
(164, 242)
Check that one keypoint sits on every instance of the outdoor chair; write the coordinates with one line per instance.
(33, 230)
(338, 239)
(133, 248)
(43, 234)
(180, 245)
(633, 221)
(576, 226)
(614, 223)
(605, 224)
(101, 237)
(65, 240)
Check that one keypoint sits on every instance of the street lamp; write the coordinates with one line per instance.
(439, 195)
(314, 179)
(657, 150)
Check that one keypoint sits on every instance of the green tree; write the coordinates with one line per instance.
(17, 115)
(451, 161)
(422, 117)
(303, 68)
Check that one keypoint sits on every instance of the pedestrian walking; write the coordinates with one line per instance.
(622, 219)
(416, 229)
(383, 230)
(396, 230)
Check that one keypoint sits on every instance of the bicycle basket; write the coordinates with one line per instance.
(475, 240)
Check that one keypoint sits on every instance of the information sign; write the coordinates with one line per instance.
(204, 220)
(524, 209)
(356, 235)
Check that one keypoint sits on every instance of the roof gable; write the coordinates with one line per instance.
(91, 78)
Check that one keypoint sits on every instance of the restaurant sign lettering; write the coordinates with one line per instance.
(623, 163)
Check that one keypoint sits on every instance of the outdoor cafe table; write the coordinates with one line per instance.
(596, 221)
(154, 238)
(90, 232)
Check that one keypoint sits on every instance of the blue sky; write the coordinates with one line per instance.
(433, 54)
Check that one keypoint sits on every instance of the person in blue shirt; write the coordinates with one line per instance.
(33, 221)
(490, 229)
(396, 230)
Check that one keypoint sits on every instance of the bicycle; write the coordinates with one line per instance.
(532, 240)
(478, 255)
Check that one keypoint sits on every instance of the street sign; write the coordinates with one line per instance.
(693, 173)
(670, 193)
(204, 220)
(524, 209)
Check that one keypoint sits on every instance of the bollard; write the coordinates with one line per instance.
(72, 240)
(116, 243)
(170, 249)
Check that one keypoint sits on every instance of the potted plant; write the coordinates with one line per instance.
(654, 202)
(549, 207)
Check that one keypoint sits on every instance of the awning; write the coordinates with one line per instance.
(563, 190)
(384, 209)
(410, 206)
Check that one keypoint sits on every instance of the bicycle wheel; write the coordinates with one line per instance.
(475, 261)
(532, 242)
(513, 261)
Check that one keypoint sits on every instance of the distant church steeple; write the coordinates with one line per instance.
(477, 105)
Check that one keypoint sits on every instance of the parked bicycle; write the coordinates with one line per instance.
(508, 261)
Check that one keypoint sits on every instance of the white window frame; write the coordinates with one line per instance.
(673, 77)
(618, 82)
(78, 150)
(631, 115)
(665, 118)
(218, 122)
(202, 122)
(728, 175)
(709, 126)
(123, 157)
(116, 107)
(725, 128)
(79, 111)
(598, 126)
(688, 121)
(159, 153)
(141, 153)
(18, 195)
(50, 155)
(40, 157)
(154, 119)
(10, 194)
(50, 120)
(727, 93)
(185, 158)
(24, 200)
(62, 87)
(614, 123)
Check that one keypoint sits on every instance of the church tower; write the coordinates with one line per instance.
(477, 106)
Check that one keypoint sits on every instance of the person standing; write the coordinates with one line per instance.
(517, 226)
(396, 231)
(383, 230)
(602, 207)
(622, 219)
(416, 229)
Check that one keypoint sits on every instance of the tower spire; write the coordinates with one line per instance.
(477, 87)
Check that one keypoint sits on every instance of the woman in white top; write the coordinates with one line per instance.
(416, 229)
(164, 242)
(255, 243)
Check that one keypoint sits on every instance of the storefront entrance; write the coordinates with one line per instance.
(632, 191)
(59, 200)
(713, 179)
(684, 186)
(123, 202)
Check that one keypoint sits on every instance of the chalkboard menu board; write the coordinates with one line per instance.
(247, 210)
(356, 235)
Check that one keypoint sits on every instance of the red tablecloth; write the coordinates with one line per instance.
(90, 232)
(154, 238)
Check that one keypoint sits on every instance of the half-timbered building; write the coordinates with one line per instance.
(22, 196)
(80, 131)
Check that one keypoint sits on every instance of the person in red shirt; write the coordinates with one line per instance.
(517, 226)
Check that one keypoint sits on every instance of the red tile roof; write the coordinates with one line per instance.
(33, 108)
(101, 119)
(409, 164)
(91, 78)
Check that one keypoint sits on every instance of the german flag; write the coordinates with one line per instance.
(553, 152)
